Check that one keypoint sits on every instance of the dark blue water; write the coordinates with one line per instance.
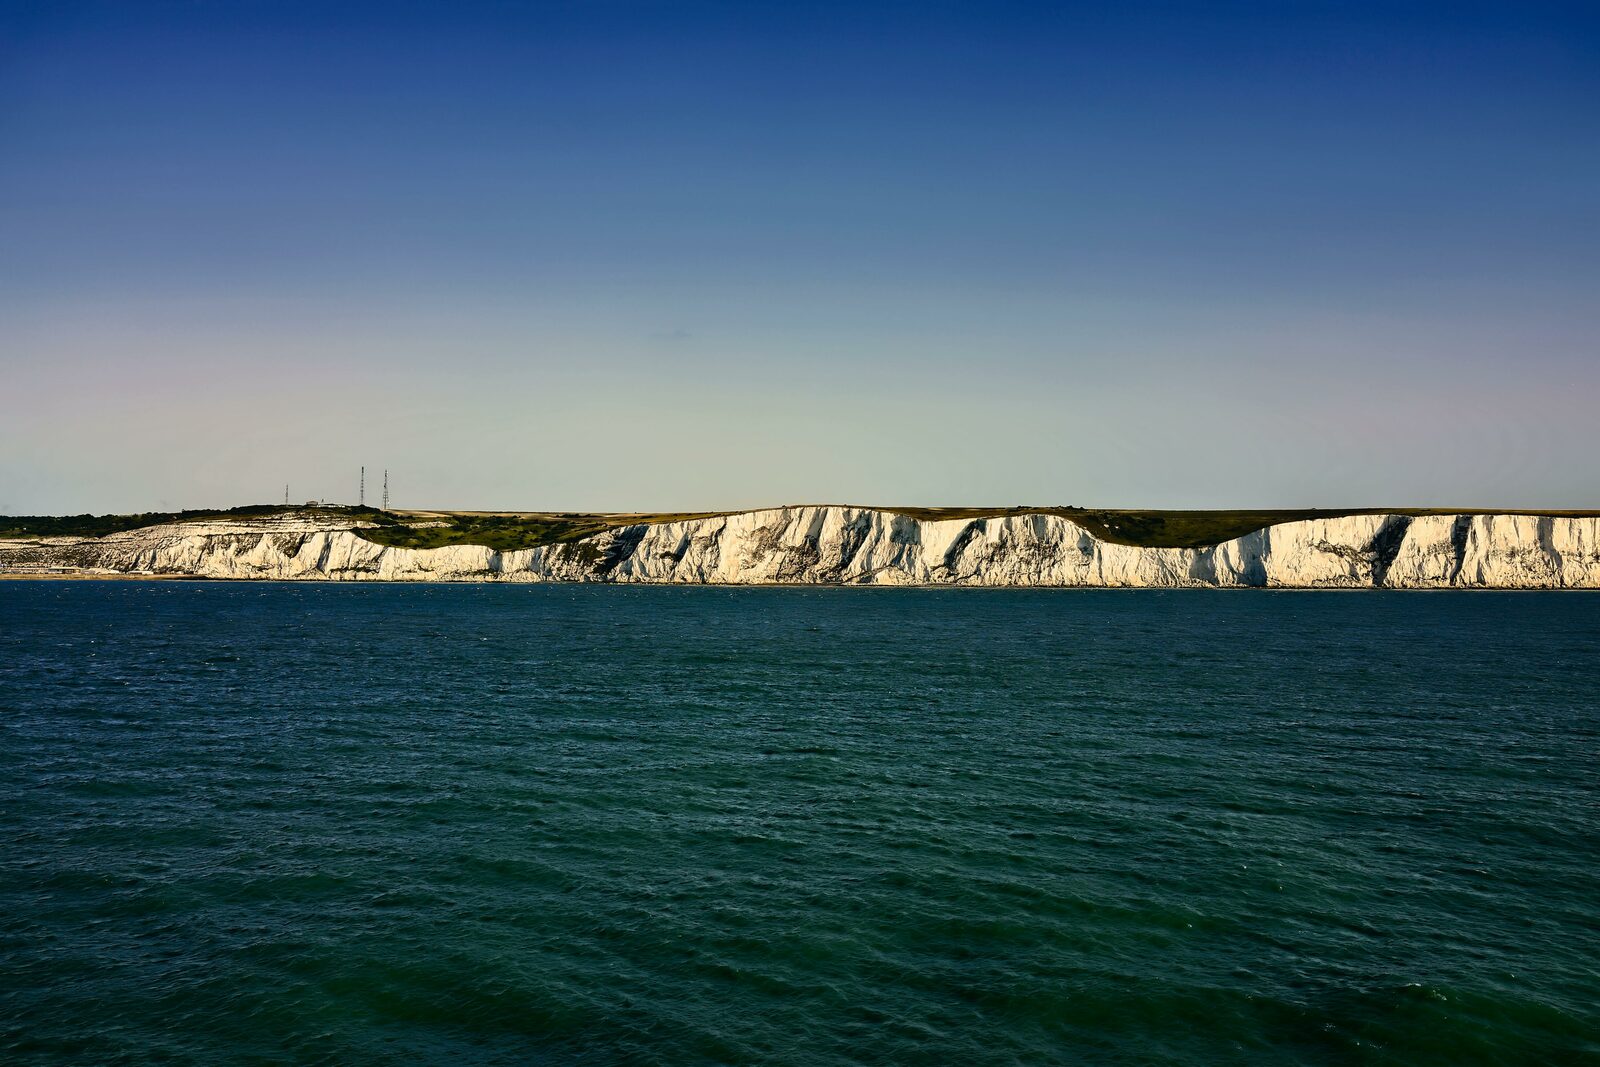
(262, 823)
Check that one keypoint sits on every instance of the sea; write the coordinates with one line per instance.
(263, 823)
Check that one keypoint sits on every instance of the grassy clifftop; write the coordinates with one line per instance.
(1196, 529)
(502, 531)
(509, 531)
(1141, 528)
(1158, 529)
(100, 525)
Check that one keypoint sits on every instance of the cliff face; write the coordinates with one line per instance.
(857, 546)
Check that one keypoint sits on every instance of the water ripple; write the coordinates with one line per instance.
(312, 824)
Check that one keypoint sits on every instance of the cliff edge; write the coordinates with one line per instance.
(838, 545)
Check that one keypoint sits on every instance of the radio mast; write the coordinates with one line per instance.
(386, 490)
(363, 497)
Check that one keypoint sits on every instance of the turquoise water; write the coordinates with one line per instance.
(261, 823)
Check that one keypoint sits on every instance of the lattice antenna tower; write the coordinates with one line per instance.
(362, 499)
(385, 490)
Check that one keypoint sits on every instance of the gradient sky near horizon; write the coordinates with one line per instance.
(644, 256)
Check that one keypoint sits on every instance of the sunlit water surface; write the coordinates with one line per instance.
(555, 824)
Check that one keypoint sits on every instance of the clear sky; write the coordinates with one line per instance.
(637, 256)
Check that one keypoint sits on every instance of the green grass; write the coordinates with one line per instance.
(1154, 529)
(100, 525)
(1194, 529)
(1188, 529)
(503, 533)
(511, 531)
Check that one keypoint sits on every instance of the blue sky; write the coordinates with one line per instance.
(627, 256)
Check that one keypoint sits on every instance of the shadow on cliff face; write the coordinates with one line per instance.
(1385, 546)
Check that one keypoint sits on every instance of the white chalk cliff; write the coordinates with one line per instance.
(861, 546)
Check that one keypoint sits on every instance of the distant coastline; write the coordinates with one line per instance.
(830, 545)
